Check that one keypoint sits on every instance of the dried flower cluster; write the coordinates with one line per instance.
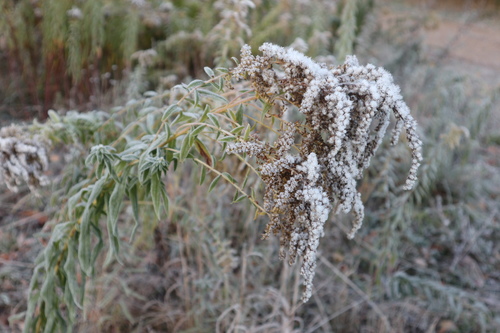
(347, 112)
(21, 159)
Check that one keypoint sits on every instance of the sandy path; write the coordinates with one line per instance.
(470, 36)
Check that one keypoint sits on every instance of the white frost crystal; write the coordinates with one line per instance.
(347, 112)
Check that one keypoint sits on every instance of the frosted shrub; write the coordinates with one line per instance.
(309, 171)
(347, 111)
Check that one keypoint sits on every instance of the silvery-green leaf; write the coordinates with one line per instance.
(197, 130)
(170, 110)
(209, 71)
(134, 200)
(195, 83)
(156, 196)
(85, 241)
(97, 248)
(134, 146)
(185, 147)
(196, 97)
(70, 270)
(213, 95)
(237, 130)
(214, 119)
(129, 157)
(228, 139)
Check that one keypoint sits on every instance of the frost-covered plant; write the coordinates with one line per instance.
(347, 111)
(22, 159)
(232, 27)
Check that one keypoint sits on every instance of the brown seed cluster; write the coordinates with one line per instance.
(347, 112)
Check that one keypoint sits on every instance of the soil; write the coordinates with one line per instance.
(466, 32)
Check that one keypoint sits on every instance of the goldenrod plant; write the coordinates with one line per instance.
(309, 170)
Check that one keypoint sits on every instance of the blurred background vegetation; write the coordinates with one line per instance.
(426, 261)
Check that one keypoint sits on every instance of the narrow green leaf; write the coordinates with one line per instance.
(129, 157)
(134, 200)
(216, 85)
(229, 177)
(156, 196)
(203, 174)
(221, 85)
(246, 179)
(70, 304)
(111, 168)
(166, 201)
(235, 196)
(114, 206)
(85, 241)
(224, 154)
(248, 131)
(115, 203)
(99, 169)
(196, 97)
(96, 249)
(183, 117)
(185, 147)
(213, 183)
(169, 155)
(228, 139)
(204, 116)
(70, 270)
(47, 291)
(237, 130)
(51, 320)
(170, 110)
(72, 201)
(213, 95)
(214, 119)
(239, 198)
(239, 115)
(252, 195)
(197, 130)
